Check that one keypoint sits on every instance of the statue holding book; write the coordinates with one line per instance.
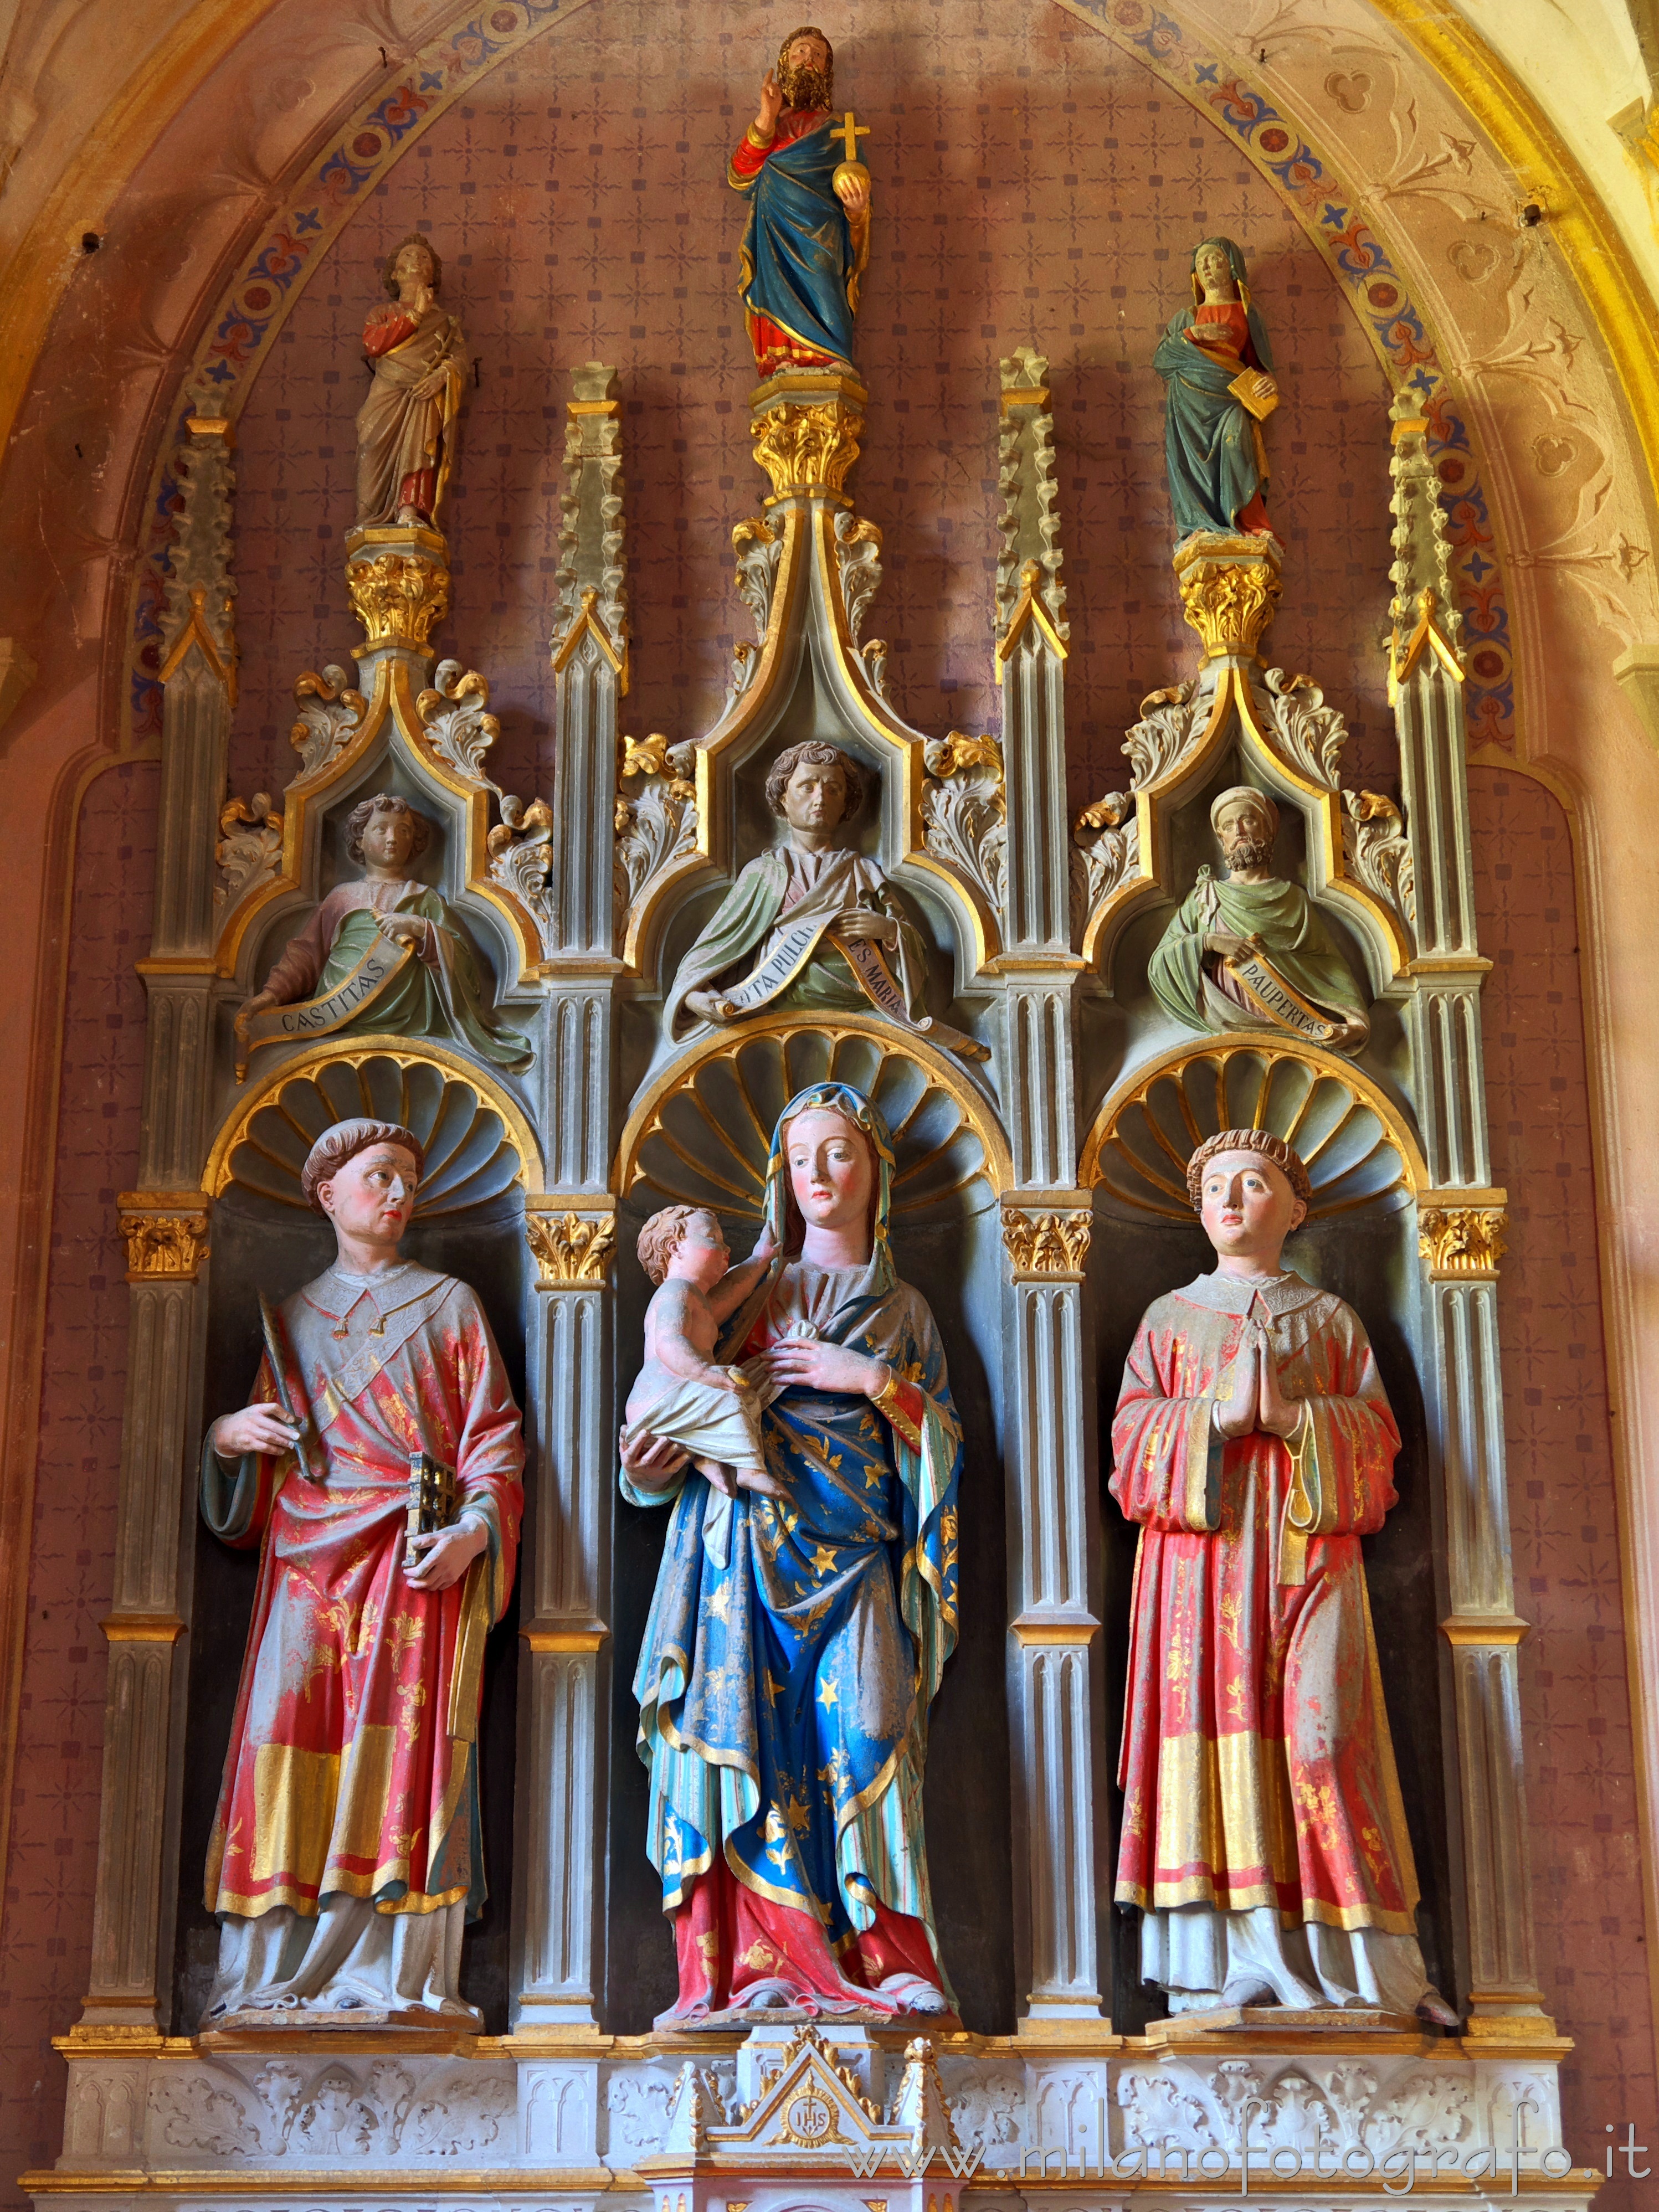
(378, 1467)
(1216, 360)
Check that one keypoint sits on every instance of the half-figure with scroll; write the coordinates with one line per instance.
(810, 924)
(1249, 950)
(345, 1858)
(383, 953)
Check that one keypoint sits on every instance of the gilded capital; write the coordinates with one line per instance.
(570, 1248)
(400, 593)
(810, 446)
(166, 1236)
(1461, 1244)
(1229, 592)
(1047, 1244)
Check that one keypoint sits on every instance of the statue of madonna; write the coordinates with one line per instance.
(789, 1663)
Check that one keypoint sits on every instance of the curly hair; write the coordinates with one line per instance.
(811, 31)
(658, 1241)
(389, 266)
(818, 755)
(384, 802)
(343, 1142)
(1264, 1144)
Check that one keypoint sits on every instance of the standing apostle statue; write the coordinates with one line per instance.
(1264, 1838)
(808, 236)
(346, 1856)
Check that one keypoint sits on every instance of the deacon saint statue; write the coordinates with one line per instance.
(790, 1661)
(346, 1856)
(808, 923)
(384, 953)
(1249, 951)
(808, 235)
(1217, 362)
(1264, 1838)
(406, 427)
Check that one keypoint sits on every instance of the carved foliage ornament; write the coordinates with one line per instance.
(1046, 1243)
(1462, 1243)
(808, 446)
(249, 849)
(964, 810)
(570, 1248)
(1229, 591)
(1311, 734)
(398, 598)
(655, 829)
(166, 1237)
(454, 713)
(329, 714)
(1379, 853)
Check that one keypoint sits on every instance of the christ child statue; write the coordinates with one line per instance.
(406, 426)
(681, 1392)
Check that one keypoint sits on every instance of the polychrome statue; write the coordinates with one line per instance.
(1215, 359)
(384, 953)
(1264, 1838)
(1249, 950)
(345, 1859)
(406, 427)
(683, 1394)
(807, 239)
(808, 923)
(786, 1677)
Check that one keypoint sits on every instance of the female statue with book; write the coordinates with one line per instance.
(346, 1856)
(1215, 359)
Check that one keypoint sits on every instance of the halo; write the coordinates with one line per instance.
(1353, 1140)
(705, 1140)
(472, 1153)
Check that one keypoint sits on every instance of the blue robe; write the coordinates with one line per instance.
(784, 1694)
(798, 265)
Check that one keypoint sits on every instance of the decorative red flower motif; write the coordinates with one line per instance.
(1274, 141)
(1488, 666)
(503, 20)
(1129, 14)
(1382, 295)
(366, 145)
(256, 297)
(1452, 471)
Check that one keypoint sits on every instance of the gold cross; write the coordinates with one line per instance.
(850, 133)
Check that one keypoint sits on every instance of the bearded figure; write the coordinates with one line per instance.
(1249, 950)
(808, 236)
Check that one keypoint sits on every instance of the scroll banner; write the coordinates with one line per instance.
(874, 977)
(385, 960)
(1266, 993)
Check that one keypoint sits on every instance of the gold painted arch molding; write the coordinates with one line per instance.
(1359, 1149)
(701, 1134)
(476, 1140)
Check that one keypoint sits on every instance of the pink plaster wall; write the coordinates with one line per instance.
(46, 1938)
(1581, 1767)
(1034, 185)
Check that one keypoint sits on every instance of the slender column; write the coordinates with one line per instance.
(559, 1896)
(565, 1686)
(1461, 1223)
(164, 1223)
(1055, 1690)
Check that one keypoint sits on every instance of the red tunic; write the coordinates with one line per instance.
(1256, 1766)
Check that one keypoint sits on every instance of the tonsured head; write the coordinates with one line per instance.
(1250, 1190)
(364, 1175)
